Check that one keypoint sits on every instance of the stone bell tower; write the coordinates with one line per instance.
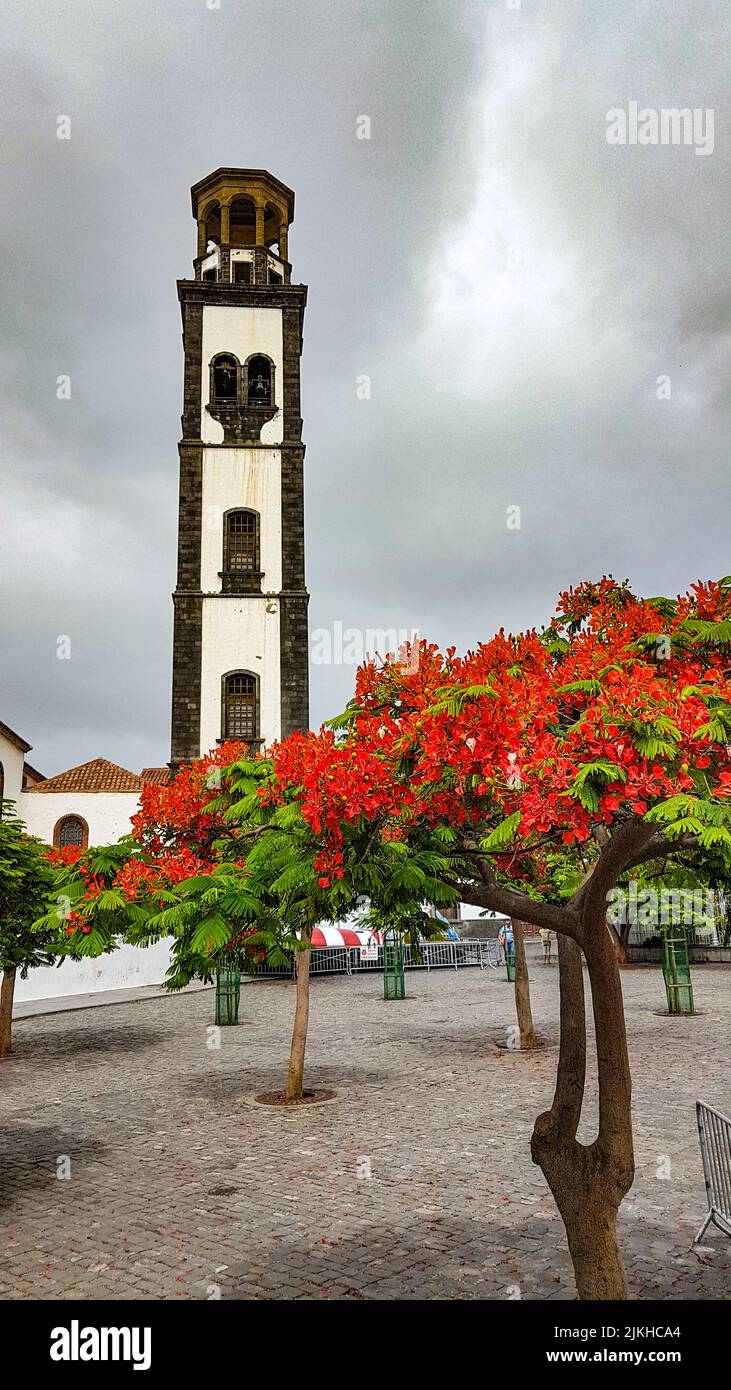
(240, 645)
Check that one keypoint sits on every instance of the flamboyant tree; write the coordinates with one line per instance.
(232, 872)
(603, 740)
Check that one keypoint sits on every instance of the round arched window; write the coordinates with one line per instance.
(71, 831)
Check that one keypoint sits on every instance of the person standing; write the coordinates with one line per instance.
(505, 937)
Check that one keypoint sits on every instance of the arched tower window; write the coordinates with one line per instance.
(240, 707)
(242, 221)
(241, 550)
(259, 381)
(225, 382)
(71, 831)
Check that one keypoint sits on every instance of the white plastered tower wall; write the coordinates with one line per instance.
(245, 331)
(240, 632)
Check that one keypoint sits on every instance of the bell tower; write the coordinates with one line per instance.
(240, 643)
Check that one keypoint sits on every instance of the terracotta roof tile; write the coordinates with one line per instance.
(159, 775)
(97, 776)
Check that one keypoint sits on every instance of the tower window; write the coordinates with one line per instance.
(242, 272)
(260, 381)
(225, 379)
(209, 274)
(71, 831)
(241, 544)
(240, 707)
(274, 277)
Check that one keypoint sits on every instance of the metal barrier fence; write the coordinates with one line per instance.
(714, 1132)
(432, 955)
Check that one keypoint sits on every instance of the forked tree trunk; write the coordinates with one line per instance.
(7, 990)
(589, 1181)
(528, 1037)
(296, 1070)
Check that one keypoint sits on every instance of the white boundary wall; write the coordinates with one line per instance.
(108, 816)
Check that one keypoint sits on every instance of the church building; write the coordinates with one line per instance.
(240, 637)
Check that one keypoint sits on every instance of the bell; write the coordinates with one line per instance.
(261, 386)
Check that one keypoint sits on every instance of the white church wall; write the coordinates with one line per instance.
(130, 967)
(241, 478)
(239, 637)
(227, 329)
(12, 761)
(107, 814)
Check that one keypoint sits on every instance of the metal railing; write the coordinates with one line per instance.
(714, 1132)
(431, 955)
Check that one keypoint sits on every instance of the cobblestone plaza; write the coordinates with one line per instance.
(414, 1182)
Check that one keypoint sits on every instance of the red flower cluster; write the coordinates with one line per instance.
(620, 695)
(66, 857)
(619, 704)
(138, 877)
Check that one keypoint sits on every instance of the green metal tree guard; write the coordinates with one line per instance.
(676, 972)
(228, 994)
(394, 984)
(510, 962)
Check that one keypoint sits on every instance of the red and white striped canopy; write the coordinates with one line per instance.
(344, 936)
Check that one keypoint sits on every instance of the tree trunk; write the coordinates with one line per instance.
(528, 1037)
(595, 1253)
(620, 942)
(589, 1181)
(296, 1070)
(7, 990)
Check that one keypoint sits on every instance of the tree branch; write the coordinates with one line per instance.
(627, 841)
(660, 847)
(488, 893)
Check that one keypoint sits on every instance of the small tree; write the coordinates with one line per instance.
(26, 879)
(224, 861)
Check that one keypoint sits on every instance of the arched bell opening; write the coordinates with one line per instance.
(212, 220)
(272, 223)
(242, 221)
(260, 380)
(224, 379)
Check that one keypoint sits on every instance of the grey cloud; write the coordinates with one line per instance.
(488, 127)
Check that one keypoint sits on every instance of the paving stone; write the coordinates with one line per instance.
(154, 1122)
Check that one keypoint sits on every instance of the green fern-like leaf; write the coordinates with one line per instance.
(502, 834)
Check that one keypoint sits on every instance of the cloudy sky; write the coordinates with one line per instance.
(512, 284)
